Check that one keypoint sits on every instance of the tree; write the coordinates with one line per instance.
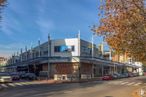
(2, 4)
(123, 23)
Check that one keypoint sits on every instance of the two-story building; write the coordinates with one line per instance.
(63, 59)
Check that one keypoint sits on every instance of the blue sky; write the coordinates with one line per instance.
(26, 21)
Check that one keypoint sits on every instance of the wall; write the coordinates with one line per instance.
(68, 42)
(86, 49)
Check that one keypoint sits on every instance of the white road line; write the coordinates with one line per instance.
(68, 91)
(4, 85)
(24, 83)
(11, 84)
(124, 83)
(137, 84)
(118, 82)
(131, 83)
(19, 84)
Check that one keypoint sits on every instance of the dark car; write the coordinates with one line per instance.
(15, 76)
(29, 76)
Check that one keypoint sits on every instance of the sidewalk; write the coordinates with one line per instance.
(141, 92)
(136, 93)
(51, 81)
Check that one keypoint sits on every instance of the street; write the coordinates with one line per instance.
(114, 88)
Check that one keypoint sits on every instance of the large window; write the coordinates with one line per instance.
(86, 50)
(64, 48)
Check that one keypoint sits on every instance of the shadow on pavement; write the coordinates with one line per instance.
(108, 96)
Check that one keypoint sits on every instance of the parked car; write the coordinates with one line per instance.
(15, 76)
(135, 74)
(125, 75)
(117, 74)
(107, 77)
(130, 74)
(22, 75)
(29, 76)
(5, 77)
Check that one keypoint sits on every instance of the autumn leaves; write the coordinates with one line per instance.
(123, 23)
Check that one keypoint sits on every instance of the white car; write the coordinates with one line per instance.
(5, 77)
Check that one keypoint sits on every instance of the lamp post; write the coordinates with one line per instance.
(49, 55)
(39, 43)
(79, 54)
(92, 45)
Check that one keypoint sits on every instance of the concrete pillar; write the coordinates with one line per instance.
(93, 67)
(110, 70)
(102, 68)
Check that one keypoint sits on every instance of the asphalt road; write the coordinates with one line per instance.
(115, 88)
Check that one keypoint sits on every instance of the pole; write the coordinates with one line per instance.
(21, 55)
(79, 54)
(26, 52)
(49, 55)
(92, 45)
(39, 47)
(110, 55)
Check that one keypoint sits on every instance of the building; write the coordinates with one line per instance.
(3, 62)
(132, 66)
(64, 59)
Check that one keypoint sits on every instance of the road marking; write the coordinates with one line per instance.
(68, 91)
(11, 84)
(24, 83)
(4, 85)
(131, 83)
(124, 83)
(137, 84)
(19, 84)
(118, 82)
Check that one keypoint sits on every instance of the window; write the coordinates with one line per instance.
(86, 50)
(45, 52)
(73, 48)
(64, 48)
(57, 49)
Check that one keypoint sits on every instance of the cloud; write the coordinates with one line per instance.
(45, 25)
(7, 50)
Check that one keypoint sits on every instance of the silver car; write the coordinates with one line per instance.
(5, 77)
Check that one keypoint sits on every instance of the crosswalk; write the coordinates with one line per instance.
(6, 85)
(125, 83)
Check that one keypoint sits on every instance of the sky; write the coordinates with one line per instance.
(24, 22)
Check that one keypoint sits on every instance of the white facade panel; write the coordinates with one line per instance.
(65, 42)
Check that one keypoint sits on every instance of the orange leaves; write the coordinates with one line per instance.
(124, 25)
(2, 2)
